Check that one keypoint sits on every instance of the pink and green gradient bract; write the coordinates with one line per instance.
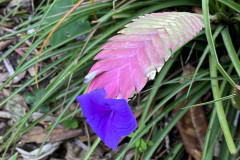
(133, 57)
(109, 118)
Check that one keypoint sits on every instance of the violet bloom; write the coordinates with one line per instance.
(81, 37)
(109, 118)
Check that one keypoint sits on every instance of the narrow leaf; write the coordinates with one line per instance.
(231, 4)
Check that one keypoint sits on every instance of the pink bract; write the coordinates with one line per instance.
(130, 59)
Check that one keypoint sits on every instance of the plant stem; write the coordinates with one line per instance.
(219, 107)
(212, 119)
(96, 142)
(94, 13)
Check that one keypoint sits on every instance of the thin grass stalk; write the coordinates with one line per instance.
(231, 51)
(212, 119)
(176, 118)
(11, 12)
(231, 4)
(50, 35)
(208, 135)
(94, 13)
(224, 152)
(216, 133)
(83, 10)
(219, 107)
(31, 62)
(60, 116)
(206, 51)
(50, 90)
(235, 156)
(32, 79)
(13, 48)
(96, 142)
(174, 153)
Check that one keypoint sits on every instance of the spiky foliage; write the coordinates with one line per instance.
(157, 94)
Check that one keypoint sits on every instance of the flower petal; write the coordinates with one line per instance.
(102, 126)
(109, 118)
(93, 104)
(123, 121)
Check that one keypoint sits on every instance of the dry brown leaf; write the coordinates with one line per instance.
(6, 92)
(31, 71)
(192, 126)
(37, 134)
(84, 138)
(4, 44)
(20, 76)
(37, 115)
(3, 129)
(5, 25)
(5, 115)
(4, 76)
(11, 71)
(197, 10)
(36, 155)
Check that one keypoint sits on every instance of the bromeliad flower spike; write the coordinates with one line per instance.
(109, 118)
(133, 57)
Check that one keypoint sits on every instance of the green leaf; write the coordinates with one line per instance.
(31, 98)
(143, 144)
(137, 144)
(14, 157)
(28, 97)
(231, 4)
(71, 123)
(175, 151)
(38, 92)
(131, 135)
(150, 143)
(68, 28)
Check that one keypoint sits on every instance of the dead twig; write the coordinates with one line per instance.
(5, 115)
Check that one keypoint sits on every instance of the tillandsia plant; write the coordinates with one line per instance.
(126, 63)
(126, 82)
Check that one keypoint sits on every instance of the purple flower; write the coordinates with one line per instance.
(109, 118)
(81, 37)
